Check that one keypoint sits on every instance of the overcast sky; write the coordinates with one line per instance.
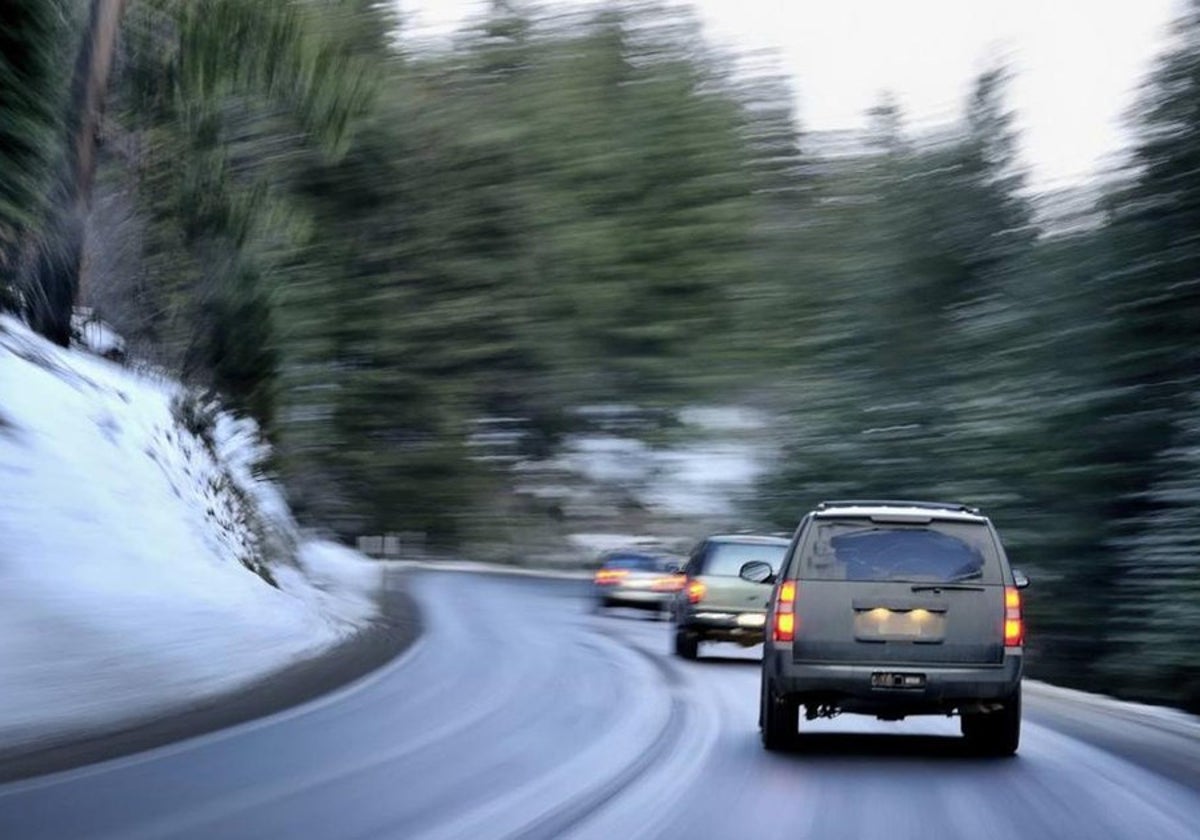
(1078, 62)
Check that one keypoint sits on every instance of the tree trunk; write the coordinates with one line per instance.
(55, 276)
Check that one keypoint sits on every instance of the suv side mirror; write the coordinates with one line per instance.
(1020, 579)
(757, 571)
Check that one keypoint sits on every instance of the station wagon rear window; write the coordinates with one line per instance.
(727, 558)
(936, 552)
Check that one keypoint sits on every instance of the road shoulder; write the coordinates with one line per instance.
(1161, 740)
(397, 627)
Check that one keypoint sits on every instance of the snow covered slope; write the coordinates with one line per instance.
(143, 564)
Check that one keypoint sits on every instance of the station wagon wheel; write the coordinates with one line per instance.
(687, 646)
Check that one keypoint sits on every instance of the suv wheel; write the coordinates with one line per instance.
(996, 733)
(778, 718)
(687, 646)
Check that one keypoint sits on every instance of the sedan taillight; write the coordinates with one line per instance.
(607, 577)
(669, 583)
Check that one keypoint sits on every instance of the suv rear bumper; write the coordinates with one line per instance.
(849, 687)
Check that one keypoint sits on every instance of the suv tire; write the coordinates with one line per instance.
(687, 646)
(778, 718)
(996, 733)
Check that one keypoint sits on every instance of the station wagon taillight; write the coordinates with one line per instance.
(695, 591)
(785, 612)
(611, 576)
(1014, 624)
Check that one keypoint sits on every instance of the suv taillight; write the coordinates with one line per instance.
(695, 591)
(1014, 624)
(785, 612)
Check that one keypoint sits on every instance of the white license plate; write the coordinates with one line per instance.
(883, 624)
(751, 620)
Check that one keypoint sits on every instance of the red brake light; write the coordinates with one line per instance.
(609, 576)
(1014, 624)
(695, 591)
(785, 612)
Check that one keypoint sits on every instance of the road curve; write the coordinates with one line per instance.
(520, 714)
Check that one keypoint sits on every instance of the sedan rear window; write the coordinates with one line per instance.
(938, 552)
(636, 562)
(725, 559)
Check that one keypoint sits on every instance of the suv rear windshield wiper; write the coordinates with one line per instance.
(957, 587)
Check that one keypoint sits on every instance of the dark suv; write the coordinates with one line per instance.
(894, 609)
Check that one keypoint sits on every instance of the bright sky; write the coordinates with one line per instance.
(1077, 62)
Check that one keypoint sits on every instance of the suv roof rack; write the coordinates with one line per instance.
(955, 506)
(748, 532)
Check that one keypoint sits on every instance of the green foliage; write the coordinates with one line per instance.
(37, 41)
(219, 92)
(554, 213)
(960, 352)
(1149, 378)
(1158, 596)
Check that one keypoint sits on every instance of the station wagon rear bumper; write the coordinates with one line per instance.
(723, 625)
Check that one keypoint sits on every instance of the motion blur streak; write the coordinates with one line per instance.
(558, 723)
(435, 274)
(483, 298)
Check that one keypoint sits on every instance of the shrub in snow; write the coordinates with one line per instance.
(95, 335)
(240, 448)
(247, 507)
(10, 298)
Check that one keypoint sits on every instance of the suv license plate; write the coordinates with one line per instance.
(881, 679)
(751, 620)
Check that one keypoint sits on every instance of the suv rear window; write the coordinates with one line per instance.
(725, 559)
(937, 552)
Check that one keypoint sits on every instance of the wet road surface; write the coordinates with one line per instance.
(521, 714)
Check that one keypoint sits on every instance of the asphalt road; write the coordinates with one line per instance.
(520, 714)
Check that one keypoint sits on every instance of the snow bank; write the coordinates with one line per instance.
(599, 543)
(137, 557)
(343, 582)
(704, 478)
(1165, 717)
